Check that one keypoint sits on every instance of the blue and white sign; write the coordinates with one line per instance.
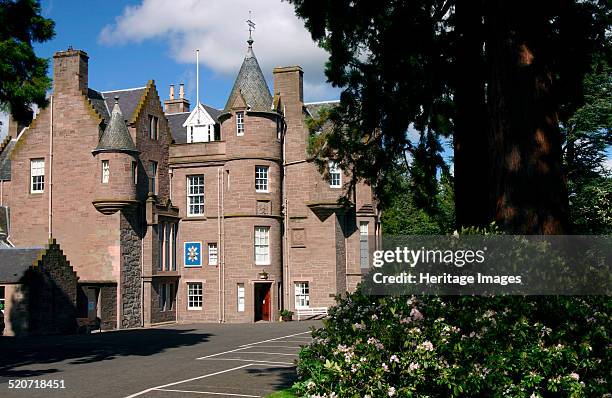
(193, 254)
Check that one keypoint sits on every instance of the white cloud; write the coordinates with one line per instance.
(218, 29)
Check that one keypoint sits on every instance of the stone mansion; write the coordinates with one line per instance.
(172, 214)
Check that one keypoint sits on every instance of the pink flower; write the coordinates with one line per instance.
(391, 391)
(416, 314)
(574, 376)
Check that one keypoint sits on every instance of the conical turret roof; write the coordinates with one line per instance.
(116, 137)
(251, 85)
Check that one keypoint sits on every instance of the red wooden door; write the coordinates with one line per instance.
(266, 305)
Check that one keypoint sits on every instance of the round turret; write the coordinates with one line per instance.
(117, 160)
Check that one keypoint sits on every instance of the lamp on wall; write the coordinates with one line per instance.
(263, 275)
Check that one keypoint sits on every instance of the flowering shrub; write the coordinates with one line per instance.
(458, 346)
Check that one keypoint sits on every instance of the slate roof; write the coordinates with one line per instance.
(128, 100)
(175, 123)
(15, 261)
(5, 162)
(97, 100)
(176, 120)
(251, 83)
(116, 136)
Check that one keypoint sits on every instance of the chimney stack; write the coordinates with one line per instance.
(177, 105)
(70, 72)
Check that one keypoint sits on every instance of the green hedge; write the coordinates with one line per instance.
(460, 347)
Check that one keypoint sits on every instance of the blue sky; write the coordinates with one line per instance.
(131, 42)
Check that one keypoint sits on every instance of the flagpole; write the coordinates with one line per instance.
(198, 83)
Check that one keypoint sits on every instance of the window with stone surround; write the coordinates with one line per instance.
(105, 171)
(261, 178)
(262, 245)
(167, 246)
(363, 244)
(195, 295)
(37, 175)
(153, 127)
(302, 295)
(195, 195)
(212, 254)
(335, 175)
(239, 123)
(241, 297)
(166, 296)
(135, 172)
(153, 176)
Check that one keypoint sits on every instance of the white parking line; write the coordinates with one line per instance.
(187, 380)
(291, 364)
(209, 393)
(269, 353)
(278, 338)
(275, 346)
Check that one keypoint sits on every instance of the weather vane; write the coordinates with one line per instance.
(251, 28)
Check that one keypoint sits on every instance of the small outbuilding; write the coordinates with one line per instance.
(38, 291)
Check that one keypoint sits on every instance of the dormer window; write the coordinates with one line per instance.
(239, 123)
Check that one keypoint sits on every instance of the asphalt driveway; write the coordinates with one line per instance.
(248, 360)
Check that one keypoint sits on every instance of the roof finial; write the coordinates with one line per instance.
(251, 29)
(116, 99)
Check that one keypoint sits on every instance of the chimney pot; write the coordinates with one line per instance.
(182, 91)
(172, 91)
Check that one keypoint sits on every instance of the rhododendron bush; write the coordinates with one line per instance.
(460, 346)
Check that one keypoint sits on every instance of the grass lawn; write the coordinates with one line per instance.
(282, 394)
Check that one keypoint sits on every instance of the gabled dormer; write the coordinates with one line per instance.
(201, 126)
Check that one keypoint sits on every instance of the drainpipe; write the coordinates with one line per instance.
(51, 168)
(219, 177)
(223, 240)
(286, 303)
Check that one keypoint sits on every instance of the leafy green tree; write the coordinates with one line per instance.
(498, 74)
(23, 75)
(587, 135)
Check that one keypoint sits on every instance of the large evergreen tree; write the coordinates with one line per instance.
(499, 74)
(23, 75)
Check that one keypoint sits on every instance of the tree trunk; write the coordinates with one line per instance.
(470, 137)
(528, 189)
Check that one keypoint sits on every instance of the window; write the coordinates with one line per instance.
(135, 172)
(162, 296)
(241, 297)
(261, 178)
(2, 299)
(195, 195)
(37, 175)
(335, 176)
(262, 245)
(302, 295)
(167, 246)
(239, 123)
(160, 244)
(105, 171)
(363, 244)
(153, 177)
(153, 124)
(166, 296)
(195, 297)
(212, 254)
(190, 134)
